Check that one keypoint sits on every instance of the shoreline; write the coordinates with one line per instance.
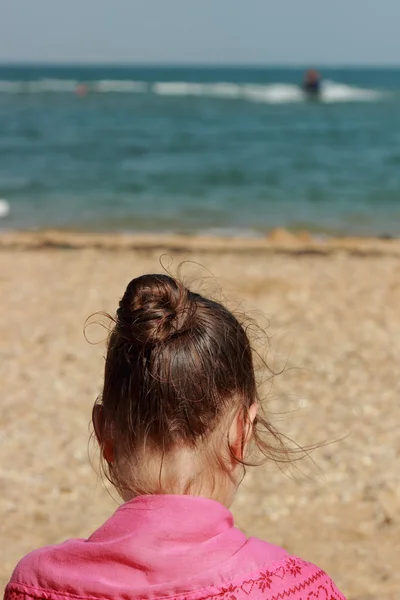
(277, 241)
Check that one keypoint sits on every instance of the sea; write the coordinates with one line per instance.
(233, 151)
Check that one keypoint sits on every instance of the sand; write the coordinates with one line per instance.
(333, 321)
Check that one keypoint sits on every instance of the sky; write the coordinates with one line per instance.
(338, 32)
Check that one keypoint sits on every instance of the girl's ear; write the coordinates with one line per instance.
(250, 418)
(241, 430)
(104, 440)
(97, 420)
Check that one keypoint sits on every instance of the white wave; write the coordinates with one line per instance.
(178, 88)
(224, 90)
(182, 88)
(70, 86)
(340, 92)
(275, 93)
(10, 87)
(256, 93)
(38, 86)
(124, 86)
(51, 85)
(4, 208)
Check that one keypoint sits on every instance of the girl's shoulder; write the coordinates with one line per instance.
(62, 573)
(36, 575)
(289, 578)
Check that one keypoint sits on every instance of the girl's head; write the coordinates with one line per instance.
(179, 402)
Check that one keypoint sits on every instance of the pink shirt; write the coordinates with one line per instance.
(181, 547)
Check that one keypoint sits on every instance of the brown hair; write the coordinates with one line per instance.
(176, 364)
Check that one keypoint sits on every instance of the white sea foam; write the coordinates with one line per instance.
(274, 93)
(10, 87)
(70, 86)
(121, 86)
(178, 88)
(4, 208)
(50, 85)
(340, 92)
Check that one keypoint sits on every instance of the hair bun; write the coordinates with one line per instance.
(153, 309)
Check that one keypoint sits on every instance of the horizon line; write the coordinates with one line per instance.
(198, 65)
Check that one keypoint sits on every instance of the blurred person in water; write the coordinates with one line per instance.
(312, 84)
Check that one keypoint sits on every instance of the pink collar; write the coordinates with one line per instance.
(187, 530)
(151, 547)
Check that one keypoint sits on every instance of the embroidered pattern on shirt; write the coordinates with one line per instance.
(284, 582)
(271, 584)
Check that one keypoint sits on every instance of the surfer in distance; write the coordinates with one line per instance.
(81, 90)
(312, 84)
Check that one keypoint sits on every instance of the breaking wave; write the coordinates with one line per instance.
(275, 93)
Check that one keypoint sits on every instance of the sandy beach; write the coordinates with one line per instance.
(334, 323)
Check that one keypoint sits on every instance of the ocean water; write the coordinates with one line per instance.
(231, 151)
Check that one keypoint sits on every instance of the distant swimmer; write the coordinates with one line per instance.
(312, 84)
(81, 90)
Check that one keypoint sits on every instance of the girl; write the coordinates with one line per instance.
(177, 417)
